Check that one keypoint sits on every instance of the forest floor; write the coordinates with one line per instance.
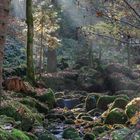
(77, 114)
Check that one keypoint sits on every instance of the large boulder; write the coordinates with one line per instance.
(133, 107)
(116, 116)
(91, 101)
(20, 113)
(119, 77)
(48, 97)
(91, 80)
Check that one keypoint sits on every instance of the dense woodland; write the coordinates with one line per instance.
(69, 70)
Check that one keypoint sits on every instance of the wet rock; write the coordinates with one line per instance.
(71, 103)
(95, 112)
(46, 136)
(69, 121)
(116, 116)
(59, 94)
(89, 136)
(91, 101)
(132, 107)
(60, 102)
(71, 133)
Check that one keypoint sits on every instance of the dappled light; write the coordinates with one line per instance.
(69, 70)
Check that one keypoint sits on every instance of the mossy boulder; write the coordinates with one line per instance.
(6, 120)
(104, 101)
(133, 107)
(91, 101)
(97, 130)
(71, 133)
(119, 103)
(48, 97)
(120, 134)
(19, 112)
(116, 116)
(13, 135)
(89, 136)
(33, 103)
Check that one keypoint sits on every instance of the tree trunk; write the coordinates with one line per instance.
(4, 13)
(51, 61)
(30, 35)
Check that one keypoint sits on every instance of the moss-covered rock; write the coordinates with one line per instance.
(87, 118)
(33, 103)
(69, 121)
(80, 115)
(120, 134)
(133, 107)
(95, 112)
(13, 135)
(4, 120)
(116, 116)
(119, 103)
(91, 101)
(99, 129)
(89, 136)
(48, 97)
(71, 133)
(104, 101)
(19, 112)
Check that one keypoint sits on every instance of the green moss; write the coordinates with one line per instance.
(87, 118)
(116, 116)
(4, 119)
(91, 101)
(120, 134)
(119, 103)
(33, 103)
(100, 129)
(19, 112)
(46, 136)
(19, 135)
(133, 107)
(13, 135)
(71, 133)
(104, 101)
(48, 98)
(89, 136)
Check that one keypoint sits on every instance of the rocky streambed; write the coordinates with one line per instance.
(73, 115)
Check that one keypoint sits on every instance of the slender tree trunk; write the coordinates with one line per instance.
(41, 45)
(51, 61)
(30, 35)
(4, 13)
